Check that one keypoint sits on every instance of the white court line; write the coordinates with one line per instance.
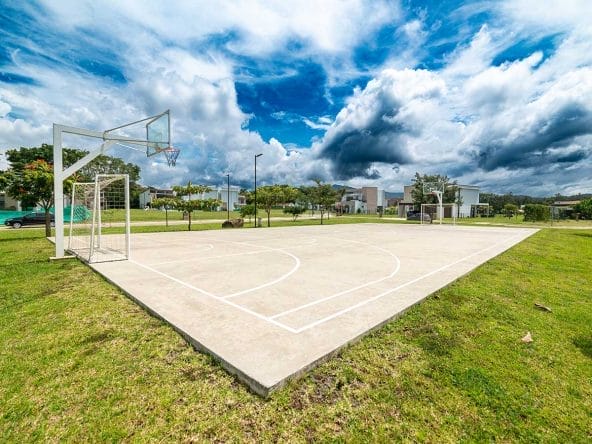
(341, 293)
(222, 256)
(207, 293)
(392, 290)
(275, 281)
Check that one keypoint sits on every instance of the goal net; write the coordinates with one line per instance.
(439, 212)
(100, 219)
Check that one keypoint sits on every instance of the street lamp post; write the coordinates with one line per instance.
(228, 196)
(256, 155)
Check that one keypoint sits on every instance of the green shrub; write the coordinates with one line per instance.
(536, 213)
(294, 211)
(584, 208)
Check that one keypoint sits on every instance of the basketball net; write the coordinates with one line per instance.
(171, 155)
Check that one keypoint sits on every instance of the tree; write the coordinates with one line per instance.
(289, 194)
(324, 196)
(102, 164)
(210, 204)
(294, 211)
(458, 201)
(3, 180)
(340, 193)
(419, 197)
(247, 210)
(190, 205)
(584, 208)
(536, 213)
(110, 165)
(34, 184)
(168, 203)
(305, 198)
(269, 196)
(22, 156)
(510, 210)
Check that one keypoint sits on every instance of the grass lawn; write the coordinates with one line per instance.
(137, 215)
(80, 362)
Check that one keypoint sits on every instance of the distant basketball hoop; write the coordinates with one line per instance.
(437, 189)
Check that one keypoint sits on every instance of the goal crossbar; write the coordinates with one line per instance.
(95, 205)
(439, 210)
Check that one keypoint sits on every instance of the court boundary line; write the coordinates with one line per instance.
(306, 327)
(350, 290)
(399, 287)
(217, 298)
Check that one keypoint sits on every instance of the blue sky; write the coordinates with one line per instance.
(491, 93)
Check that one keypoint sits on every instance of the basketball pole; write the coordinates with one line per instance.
(60, 174)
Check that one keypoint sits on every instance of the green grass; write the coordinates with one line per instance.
(80, 362)
(160, 215)
(519, 221)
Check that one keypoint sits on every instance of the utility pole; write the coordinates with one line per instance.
(256, 155)
(228, 196)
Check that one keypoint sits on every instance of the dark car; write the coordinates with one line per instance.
(416, 215)
(28, 219)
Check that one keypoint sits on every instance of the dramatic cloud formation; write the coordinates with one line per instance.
(497, 94)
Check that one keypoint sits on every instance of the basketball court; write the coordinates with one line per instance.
(271, 303)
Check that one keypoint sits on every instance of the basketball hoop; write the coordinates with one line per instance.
(171, 155)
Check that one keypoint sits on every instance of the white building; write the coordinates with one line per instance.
(221, 193)
(365, 200)
(467, 196)
(151, 193)
(407, 203)
(8, 203)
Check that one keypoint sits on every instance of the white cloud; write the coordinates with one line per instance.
(4, 108)
(262, 25)
(552, 15)
(445, 121)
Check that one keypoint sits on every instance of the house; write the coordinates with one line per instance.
(151, 193)
(467, 199)
(8, 203)
(407, 203)
(563, 209)
(223, 194)
(365, 200)
(229, 194)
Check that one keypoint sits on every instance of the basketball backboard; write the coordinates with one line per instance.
(158, 134)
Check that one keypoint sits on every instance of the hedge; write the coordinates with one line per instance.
(536, 213)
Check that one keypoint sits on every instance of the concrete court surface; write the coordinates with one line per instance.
(272, 303)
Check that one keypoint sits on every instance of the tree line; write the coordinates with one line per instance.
(29, 177)
(294, 200)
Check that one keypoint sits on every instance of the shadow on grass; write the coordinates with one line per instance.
(584, 343)
(581, 234)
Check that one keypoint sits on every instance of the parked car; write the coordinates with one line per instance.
(416, 215)
(28, 219)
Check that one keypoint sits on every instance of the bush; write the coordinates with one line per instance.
(294, 211)
(584, 208)
(536, 213)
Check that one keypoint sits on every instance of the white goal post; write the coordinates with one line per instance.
(94, 206)
(439, 211)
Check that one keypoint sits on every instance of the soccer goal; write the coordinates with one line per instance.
(439, 212)
(95, 206)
